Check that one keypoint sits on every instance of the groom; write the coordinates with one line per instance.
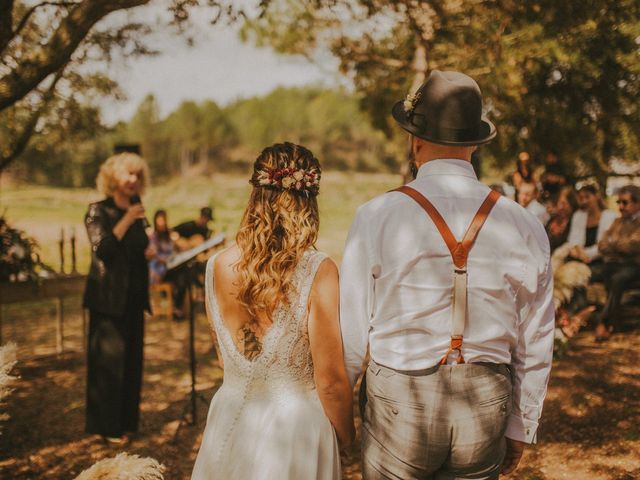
(450, 288)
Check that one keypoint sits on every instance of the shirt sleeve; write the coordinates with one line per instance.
(531, 361)
(356, 297)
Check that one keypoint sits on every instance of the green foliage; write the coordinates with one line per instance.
(69, 148)
(204, 136)
(330, 123)
(555, 75)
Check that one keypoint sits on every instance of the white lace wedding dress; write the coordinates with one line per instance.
(266, 420)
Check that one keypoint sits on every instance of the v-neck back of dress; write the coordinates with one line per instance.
(285, 345)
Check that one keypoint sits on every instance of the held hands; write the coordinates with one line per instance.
(515, 449)
(345, 446)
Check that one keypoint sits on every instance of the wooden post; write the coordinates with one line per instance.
(59, 325)
(61, 249)
(73, 251)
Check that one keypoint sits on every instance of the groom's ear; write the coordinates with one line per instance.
(416, 145)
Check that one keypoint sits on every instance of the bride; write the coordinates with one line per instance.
(285, 405)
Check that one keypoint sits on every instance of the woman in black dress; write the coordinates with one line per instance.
(117, 293)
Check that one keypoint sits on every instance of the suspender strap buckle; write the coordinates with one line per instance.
(455, 346)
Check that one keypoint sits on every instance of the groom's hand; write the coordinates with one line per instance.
(513, 456)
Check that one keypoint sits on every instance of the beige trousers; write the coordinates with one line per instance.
(446, 423)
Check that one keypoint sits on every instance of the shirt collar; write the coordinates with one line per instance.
(447, 166)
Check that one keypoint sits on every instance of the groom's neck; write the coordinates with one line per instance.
(426, 152)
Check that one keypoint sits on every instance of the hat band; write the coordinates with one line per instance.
(433, 130)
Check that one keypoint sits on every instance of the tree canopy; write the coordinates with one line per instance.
(562, 76)
(45, 47)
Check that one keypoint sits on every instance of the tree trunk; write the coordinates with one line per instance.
(420, 64)
(6, 22)
(185, 153)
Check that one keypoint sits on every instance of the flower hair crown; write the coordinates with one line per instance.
(306, 182)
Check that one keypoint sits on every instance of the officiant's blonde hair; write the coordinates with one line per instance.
(277, 228)
(107, 179)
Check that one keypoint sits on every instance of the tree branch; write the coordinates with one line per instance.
(31, 11)
(27, 131)
(41, 62)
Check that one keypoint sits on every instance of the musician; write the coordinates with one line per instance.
(199, 226)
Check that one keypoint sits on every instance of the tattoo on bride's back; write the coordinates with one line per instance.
(249, 343)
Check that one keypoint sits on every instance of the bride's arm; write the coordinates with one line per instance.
(325, 339)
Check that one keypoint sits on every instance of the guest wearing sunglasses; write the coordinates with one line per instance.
(620, 249)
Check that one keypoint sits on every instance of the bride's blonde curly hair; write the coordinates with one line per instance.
(277, 227)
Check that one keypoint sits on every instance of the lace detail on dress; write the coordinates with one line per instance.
(284, 366)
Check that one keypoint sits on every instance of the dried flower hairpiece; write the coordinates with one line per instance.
(410, 102)
(291, 178)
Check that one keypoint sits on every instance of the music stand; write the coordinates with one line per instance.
(187, 258)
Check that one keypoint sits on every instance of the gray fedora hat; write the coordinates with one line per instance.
(446, 109)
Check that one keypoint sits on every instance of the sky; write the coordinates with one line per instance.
(219, 66)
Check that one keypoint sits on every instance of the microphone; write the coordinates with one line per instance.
(134, 200)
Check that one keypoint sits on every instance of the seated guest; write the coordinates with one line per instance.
(620, 249)
(199, 226)
(163, 244)
(559, 225)
(527, 195)
(589, 224)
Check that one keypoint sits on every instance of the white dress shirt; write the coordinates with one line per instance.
(539, 211)
(396, 286)
(578, 230)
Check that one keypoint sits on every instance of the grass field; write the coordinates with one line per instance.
(43, 211)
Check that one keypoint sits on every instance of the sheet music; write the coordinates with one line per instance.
(182, 257)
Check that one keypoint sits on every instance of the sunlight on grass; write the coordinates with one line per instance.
(43, 211)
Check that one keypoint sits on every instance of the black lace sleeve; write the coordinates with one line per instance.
(99, 229)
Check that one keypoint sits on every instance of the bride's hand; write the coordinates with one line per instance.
(346, 454)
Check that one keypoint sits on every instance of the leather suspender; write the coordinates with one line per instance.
(459, 253)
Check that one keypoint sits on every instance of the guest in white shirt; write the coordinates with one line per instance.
(527, 197)
(424, 418)
(589, 224)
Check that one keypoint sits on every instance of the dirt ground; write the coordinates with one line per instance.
(590, 427)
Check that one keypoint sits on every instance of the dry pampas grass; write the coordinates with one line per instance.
(567, 276)
(124, 467)
(7, 362)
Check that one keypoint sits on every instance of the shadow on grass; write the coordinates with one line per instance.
(603, 404)
(45, 436)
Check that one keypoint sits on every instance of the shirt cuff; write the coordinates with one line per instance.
(521, 429)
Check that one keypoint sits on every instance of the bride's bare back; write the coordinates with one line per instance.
(247, 332)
